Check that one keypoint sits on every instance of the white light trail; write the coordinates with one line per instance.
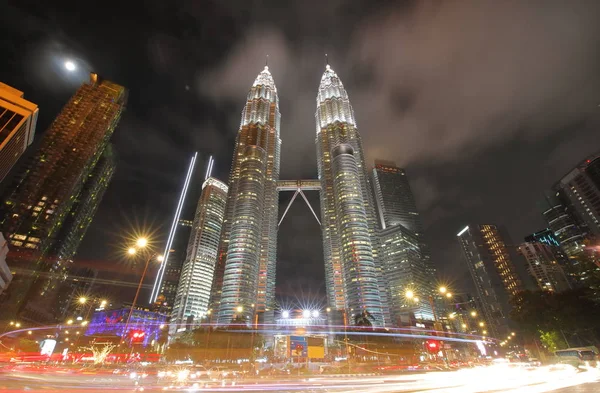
(163, 265)
(209, 168)
(463, 231)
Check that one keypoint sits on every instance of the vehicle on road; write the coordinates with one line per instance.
(578, 357)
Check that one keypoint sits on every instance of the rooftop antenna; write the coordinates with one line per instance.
(267, 61)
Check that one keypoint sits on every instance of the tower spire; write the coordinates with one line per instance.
(326, 61)
(267, 61)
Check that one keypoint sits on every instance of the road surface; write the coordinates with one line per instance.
(494, 379)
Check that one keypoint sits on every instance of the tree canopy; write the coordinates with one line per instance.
(573, 313)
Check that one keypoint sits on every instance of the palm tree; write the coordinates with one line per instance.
(364, 318)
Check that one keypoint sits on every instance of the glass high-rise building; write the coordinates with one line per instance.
(543, 267)
(84, 209)
(493, 271)
(46, 193)
(244, 279)
(244, 282)
(395, 200)
(405, 272)
(18, 118)
(401, 226)
(193, 291)
(564, 224)
(581, 187)
(353, 272)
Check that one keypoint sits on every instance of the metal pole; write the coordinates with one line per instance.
(137, 293)
(565, 338)
(346, 339)
(435, 320)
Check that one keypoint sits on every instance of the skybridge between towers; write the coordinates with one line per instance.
(299, 186)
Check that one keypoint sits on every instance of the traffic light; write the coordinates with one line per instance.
(137, 336)
(432, 346)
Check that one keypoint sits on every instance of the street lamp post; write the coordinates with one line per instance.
(141, 243)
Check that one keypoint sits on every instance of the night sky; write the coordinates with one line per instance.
(486, 103)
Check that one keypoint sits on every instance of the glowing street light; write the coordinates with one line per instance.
(82, 300)
(328, 309)
(84, 323)
(409, 294)
(131, 251)
(416, 299)
(448, 295)
(512, 334)
(103, 303)
(30, 332)
(464, 325)
(484, 332)
(239, 309)
(481, 324)
(70, 322)
(315, 313)
(473, 313)
(160, 258)
(141, 242)
(443, 289)
(306, 313)
(285, 314)
(70, 66)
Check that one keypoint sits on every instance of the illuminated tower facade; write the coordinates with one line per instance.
(406, 269)
(46, 192)
(193, 291)
(581, 187)
(18, 118)
(354, 278)
(244, 283)
(494, 274)
(543, 267)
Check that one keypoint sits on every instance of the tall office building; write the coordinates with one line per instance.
(84, 209)
(193, 291)
(395, 200)
(405, 271)
(46, 192)
(69, 237)
(353, 272)
(581, 187)
(570, 233)
(18, 118)
(245, 272)
(396, 208)
(543, 267)
(493, 271)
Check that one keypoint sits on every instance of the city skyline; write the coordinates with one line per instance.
(447, 194)
(340, 195)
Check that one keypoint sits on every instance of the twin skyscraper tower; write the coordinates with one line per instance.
(243, 286)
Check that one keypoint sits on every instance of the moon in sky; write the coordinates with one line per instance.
(69, 65)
